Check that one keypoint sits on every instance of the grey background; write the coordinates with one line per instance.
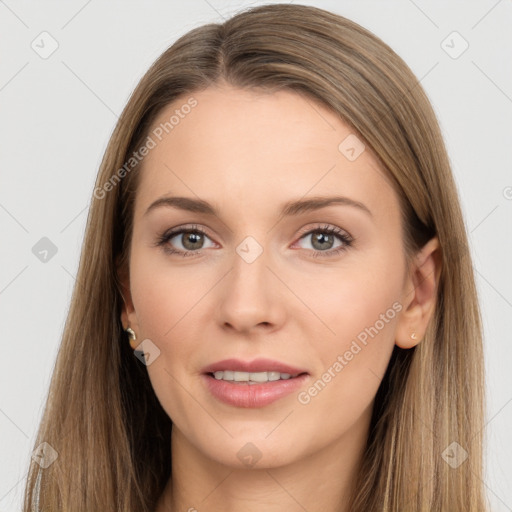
(57, 115)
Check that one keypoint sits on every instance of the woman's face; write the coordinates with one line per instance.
(320, 287)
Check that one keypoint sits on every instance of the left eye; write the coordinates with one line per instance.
(190, 240)
(323, 240)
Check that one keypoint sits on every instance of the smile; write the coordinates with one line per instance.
(251, 378)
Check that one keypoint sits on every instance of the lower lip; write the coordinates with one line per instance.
(252, 395)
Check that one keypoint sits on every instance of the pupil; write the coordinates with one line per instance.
(190, 239)
(322, 238)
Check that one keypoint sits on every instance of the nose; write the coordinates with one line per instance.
(251, 297)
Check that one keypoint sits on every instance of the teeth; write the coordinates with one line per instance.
(241, 377)
(251, 378)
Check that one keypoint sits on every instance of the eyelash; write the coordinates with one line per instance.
(346, 239)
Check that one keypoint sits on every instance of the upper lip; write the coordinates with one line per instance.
(254, 366)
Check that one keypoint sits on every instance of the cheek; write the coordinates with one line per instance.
(361, 309)
(165, 293)
(167, 301)
(358, 301)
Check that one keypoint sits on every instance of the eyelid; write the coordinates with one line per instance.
(179, 230)
(322, 226)
(303, 231)
(185, 227)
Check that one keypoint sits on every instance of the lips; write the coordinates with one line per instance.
(252, 394)
(255, 366)
(244, 395)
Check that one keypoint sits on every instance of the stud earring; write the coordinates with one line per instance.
(131, 334)
(413, 336)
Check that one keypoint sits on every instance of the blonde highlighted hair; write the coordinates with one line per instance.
(102, 417)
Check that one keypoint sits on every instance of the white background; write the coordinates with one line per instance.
(57, 115)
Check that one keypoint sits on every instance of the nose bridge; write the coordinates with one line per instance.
(250, 275)
(249, 294)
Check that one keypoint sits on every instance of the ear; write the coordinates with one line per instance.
(128, 316)
(419, 295)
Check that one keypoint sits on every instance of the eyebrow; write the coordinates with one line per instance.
(291, 208)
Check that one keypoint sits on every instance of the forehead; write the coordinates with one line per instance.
(261, 146)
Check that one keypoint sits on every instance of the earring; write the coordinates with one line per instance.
(413, 336)
(131, 334)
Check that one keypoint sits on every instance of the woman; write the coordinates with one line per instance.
(269, 311)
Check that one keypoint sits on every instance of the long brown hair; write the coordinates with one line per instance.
(102, 418)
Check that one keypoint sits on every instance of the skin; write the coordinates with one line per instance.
(247, 153)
